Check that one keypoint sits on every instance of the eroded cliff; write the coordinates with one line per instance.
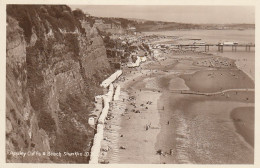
(55, 63)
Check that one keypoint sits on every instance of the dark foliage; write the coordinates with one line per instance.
(91, 21)
(79, 14)
(69, 140)
(57, 16)
(109, 43)
(73, 45)
(46, 122)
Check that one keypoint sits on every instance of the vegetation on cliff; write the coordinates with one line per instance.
(55, 64)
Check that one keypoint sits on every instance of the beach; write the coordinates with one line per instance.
(193, 117)
(131, 84)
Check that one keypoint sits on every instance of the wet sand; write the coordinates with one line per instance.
(185, 128)
(244, 118)
(218, 80)
(200, 130)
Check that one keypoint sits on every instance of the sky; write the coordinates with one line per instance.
(183, 14)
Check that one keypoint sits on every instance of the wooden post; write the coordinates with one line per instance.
(206, 48)
(248, 47)
(220, 48)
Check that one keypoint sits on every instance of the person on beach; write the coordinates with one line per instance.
(146, 127)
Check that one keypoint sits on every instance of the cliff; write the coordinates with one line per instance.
(55, 62)
(143, 25)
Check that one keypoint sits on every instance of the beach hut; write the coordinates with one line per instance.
(91, 119)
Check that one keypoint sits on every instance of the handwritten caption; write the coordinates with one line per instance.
(53, 154)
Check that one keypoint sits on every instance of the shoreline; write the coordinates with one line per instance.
(242, 63)
(244, 123)
(126, 125)
(173, 132)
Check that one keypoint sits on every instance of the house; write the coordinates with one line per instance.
(132, 28)
(99, 21)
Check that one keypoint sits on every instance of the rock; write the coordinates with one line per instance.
(27, 68)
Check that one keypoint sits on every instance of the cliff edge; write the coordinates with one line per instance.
(55, 62)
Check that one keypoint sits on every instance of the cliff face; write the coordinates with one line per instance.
(53, 70)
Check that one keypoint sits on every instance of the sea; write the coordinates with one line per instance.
(245, 60)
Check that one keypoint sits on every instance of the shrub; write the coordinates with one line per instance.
(59, 16)
(79, 14)
(46, 122)
(73, 45)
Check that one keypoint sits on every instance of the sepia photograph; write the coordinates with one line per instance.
(130, 84)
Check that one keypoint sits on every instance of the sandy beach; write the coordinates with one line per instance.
(183, 128)
(139, 112)
(130, 84)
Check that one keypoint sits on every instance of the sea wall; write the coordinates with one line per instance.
(107, 98)
(111, 79)
(95, 150)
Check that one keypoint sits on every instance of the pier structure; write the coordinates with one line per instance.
(220, 46)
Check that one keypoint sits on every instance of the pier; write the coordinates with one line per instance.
(235, 46)
(220, 46)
